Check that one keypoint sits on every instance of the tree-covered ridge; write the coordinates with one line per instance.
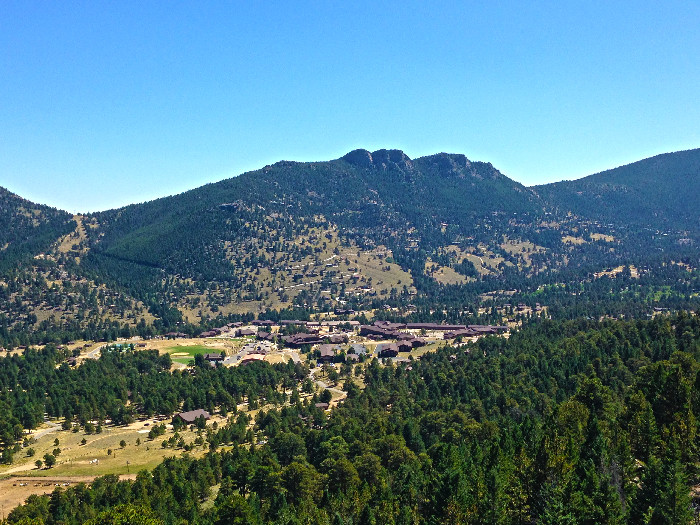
(660, 192)
(27, 229)
(372, 205)
(565, 422)
(251, 232)
(362, 232)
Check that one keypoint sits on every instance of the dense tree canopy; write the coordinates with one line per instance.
(564, 422)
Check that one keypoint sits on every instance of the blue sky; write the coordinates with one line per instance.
(108, 103)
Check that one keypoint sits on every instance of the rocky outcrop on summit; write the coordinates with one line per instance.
(456, 165)
(381, 159)
(392, 158)
(359, 157)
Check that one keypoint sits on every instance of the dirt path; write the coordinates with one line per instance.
(53, 427)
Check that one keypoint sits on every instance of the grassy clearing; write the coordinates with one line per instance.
(185, 353)
(602, 237)
(444, 274)
(522, 250)
(14, 491)
(76, 459)
(478, 263)
(431, 347)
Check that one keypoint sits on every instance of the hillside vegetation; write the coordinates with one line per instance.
(563, 423)
(368, 231)
(660, 192)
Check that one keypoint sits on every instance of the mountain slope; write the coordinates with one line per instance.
(26, 228)
(370, 230)
(374, 198)
(660, 191)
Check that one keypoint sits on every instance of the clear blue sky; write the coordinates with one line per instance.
(108, 103)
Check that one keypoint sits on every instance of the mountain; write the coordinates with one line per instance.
(26, 228)
(373, 198)
(367, 231)
(661, 191)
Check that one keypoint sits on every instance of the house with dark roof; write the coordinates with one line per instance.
(265, 336)
(297, 340)
(388, 325)
(327, 353)
(190, 417)
(213, 358)
(338, 338)
(387, 350)
(467, 332)
(404, 346)
(378, 332)
(435, 327)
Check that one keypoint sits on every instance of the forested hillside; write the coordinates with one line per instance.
(375, 199)
(659, 192)
(570, 422)
(364, 232)
(459, 228)
(27, 229)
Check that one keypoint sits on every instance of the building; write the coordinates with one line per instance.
(326, 353)
(435, 327)
(404, 346)
(467, 332)
(338, 338)
(190, 417)
(378, 332)
(252, 358)
(265, 336)
(387, 350)
(297, 340)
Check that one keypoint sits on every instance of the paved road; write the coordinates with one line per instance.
(248, 348)
(324, 385)
(94, 353)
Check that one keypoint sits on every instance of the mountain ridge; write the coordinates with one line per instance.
(366, 230)
(364, 158)
(646, 187)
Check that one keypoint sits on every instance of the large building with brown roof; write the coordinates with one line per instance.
(191, 416)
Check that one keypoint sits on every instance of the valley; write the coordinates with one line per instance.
(351, 333)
